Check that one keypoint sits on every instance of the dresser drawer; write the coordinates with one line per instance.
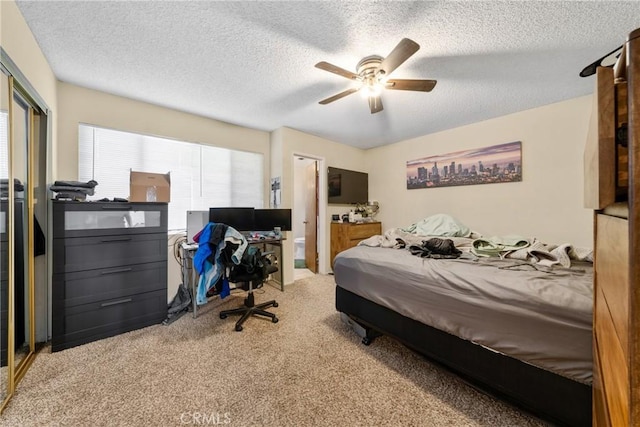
(89, 253)
(4, 298)
(84, 219)
(90, 322)
(4, 338)
(363, 231)
(4, 259)
(348, 235)
(83, 287)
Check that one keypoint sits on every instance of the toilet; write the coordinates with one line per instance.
(299, 247)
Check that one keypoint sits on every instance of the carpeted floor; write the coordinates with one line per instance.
(307, 370)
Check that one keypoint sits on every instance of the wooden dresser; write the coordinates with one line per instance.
(347, 235)
(612, 190)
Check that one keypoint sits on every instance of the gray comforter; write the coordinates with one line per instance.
(539, 315)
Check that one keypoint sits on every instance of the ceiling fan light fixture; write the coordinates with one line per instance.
(371, 88)
(372, 76)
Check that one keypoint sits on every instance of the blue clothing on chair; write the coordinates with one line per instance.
(207, 262)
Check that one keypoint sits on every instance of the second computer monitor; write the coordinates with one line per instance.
(268, 219)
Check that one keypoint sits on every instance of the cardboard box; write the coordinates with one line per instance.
(149, 187)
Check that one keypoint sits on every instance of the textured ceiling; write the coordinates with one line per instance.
(251, 63)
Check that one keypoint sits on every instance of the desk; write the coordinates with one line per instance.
(190, 277)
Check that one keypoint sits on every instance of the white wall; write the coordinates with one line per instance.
(547, 204)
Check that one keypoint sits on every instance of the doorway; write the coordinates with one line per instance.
(305, 216)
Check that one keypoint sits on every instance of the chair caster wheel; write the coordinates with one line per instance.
(223, 316)
(238, 328)
(274, 320)
(275, 304)
(366, 341)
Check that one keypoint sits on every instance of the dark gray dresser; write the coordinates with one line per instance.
(109, 269)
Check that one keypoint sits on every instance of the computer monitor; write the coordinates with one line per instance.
(196, 221)
(242, 219)
(268, 219)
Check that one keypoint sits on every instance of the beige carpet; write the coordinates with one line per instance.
(307, 370)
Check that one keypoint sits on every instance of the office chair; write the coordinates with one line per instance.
(253, 270)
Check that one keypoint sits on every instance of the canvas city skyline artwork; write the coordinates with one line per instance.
(486, 165)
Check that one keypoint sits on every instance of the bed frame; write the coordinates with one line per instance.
(549, 396)
(612, 170)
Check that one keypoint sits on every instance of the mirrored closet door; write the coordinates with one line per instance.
(23, 166)
(21, 128)
(4, 239)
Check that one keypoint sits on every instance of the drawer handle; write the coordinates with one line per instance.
(117, 270)
(117, 239)
(116, 208)
(122, 301)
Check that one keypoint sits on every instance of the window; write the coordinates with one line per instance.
(202, 176)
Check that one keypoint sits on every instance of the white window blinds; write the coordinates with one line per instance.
(201, 176)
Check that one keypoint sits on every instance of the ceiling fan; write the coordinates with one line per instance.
(372, 75)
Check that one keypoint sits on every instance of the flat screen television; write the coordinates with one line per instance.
(347, 187)
(242, 219)
(268, 219)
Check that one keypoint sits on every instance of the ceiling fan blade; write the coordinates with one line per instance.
(406, 84)
(375, 104)
(399, 54)
(336, 70)
(338, 96)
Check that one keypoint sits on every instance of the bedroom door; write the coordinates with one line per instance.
(311, 218)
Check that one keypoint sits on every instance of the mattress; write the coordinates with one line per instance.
(539, 315)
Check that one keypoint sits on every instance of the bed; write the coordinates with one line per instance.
(520, 331)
